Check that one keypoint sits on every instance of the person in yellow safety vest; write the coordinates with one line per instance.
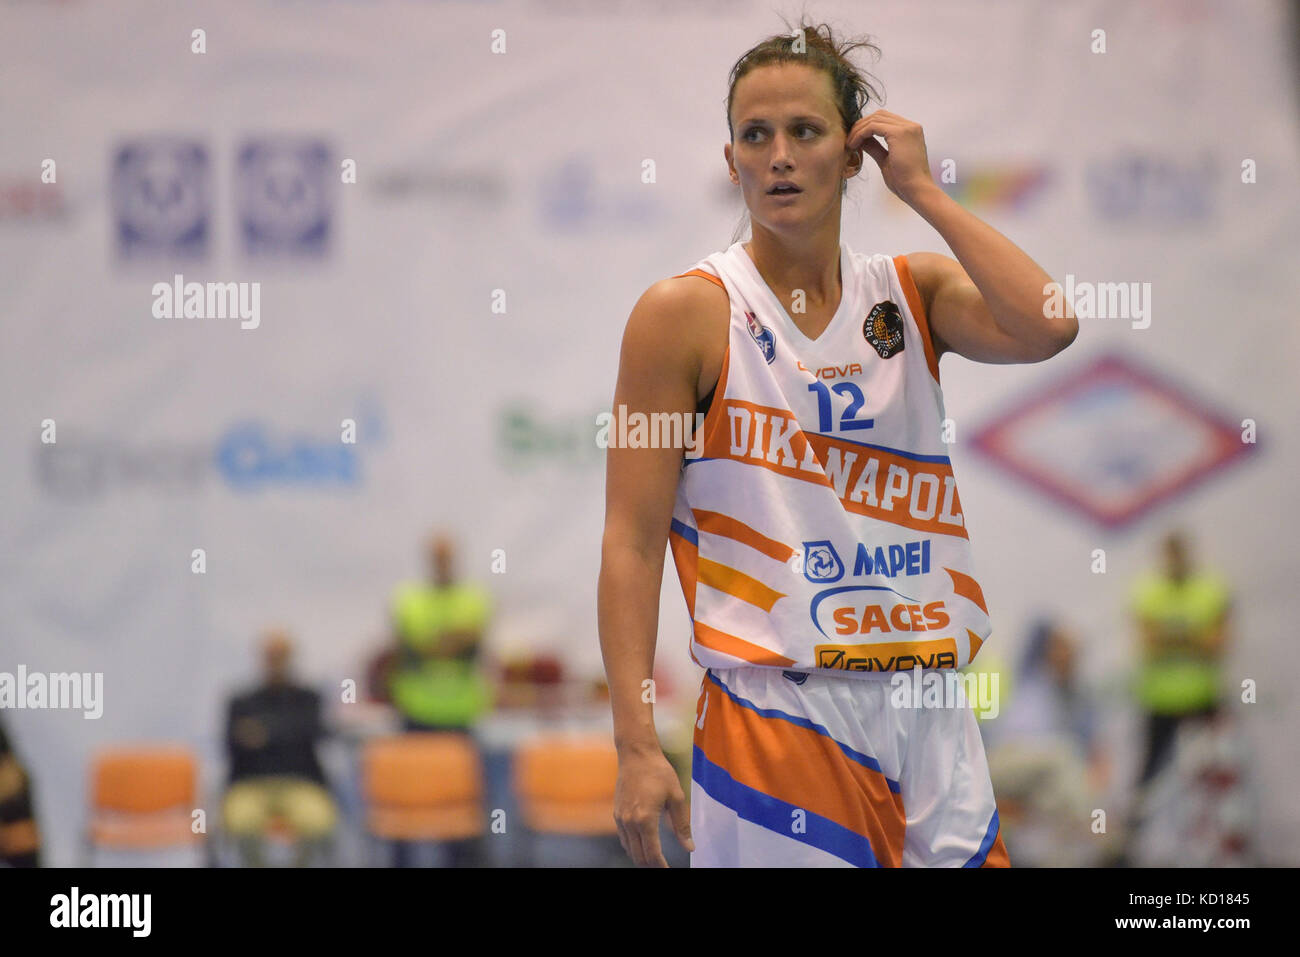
(1182, 618)
(437, 683)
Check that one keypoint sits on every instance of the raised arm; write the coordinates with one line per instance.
(659, 368)
(989, 304)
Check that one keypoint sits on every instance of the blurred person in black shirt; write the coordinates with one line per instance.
(20, 842)
(275, 777)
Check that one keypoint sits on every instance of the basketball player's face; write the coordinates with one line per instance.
(787, 129)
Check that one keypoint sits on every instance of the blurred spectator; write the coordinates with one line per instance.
(1182, 619)
(1045, 755)
(1049, 700)
(1181, 615)
(275, 777)
(20, 842)
(379, 674)
(437, 683)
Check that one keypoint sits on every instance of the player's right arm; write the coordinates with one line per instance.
(659, 370)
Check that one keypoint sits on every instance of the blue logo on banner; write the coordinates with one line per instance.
(573, 198)
(284, 188)
(250, 456)
(821, 563)
(161, 199)
(1153, 187)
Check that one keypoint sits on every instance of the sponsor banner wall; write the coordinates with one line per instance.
(463, 300)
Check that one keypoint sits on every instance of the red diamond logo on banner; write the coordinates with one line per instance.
(1113, 440)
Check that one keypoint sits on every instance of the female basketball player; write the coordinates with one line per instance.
(819, 537)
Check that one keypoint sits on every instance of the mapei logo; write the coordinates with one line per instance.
(161, 190)
(763, 336)
(821, 562)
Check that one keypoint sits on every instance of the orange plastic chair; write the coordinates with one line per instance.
(566, 785)
(142, 798)
(423, 787)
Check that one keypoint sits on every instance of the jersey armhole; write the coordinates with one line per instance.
(703, 275)
(704, 404)
(917, 308)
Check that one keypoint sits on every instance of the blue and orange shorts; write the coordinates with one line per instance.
(800, 769)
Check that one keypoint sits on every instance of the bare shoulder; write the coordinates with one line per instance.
(683, 305)
(931, 270)
(682, 321)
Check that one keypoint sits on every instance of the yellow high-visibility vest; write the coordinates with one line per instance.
(1176, 682)
(443, 692)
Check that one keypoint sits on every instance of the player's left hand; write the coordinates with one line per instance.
(903, 162)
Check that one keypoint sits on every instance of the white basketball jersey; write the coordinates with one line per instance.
(820, 528)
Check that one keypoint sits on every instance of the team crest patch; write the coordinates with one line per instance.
(883, 328)
(763, 336)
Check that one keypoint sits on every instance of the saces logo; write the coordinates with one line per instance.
(849, 621)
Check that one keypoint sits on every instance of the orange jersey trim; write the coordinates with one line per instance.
(703, 275)
(736, 583)
(968, 588)
(918, 312)
(715, 523)
(686, 557)
(738, 647)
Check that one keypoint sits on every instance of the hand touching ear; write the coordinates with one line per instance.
(903, 162)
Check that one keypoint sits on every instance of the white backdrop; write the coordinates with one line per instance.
(521, 171)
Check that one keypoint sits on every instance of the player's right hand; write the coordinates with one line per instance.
(646, 784)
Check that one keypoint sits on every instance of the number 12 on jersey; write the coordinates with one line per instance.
(848, 420)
